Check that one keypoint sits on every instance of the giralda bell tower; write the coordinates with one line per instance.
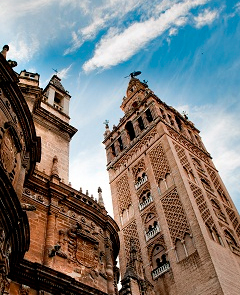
(179, 229)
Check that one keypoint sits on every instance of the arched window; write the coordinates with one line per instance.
(162, 113)
(120, 143)
(169, 180)
(140, 123)
(130, 130)
(189, 244)
(149, 116)
(158, 256)
(180, 251)
(217, 210)
(165, 183)
(162, 186)
(113, 150)
(179, 123)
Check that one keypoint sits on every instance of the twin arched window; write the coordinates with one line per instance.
(165, 183)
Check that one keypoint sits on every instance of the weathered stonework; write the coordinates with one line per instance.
(186, 224)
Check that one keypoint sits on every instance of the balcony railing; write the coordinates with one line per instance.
(152, 233)
(160, 270)
(141, 182)
(145, 203)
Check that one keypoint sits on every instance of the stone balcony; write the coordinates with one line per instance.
(141, 182)
(145, 203)
(152, 233)
(160, 270)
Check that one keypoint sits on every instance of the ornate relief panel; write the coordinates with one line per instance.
(123, 191)
(182, 157)
(202, 205)
(159, 162)
(175, 216)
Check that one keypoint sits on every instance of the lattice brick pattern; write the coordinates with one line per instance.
(202, 205)
(233, 217)
(214, 179)
(182, 157)
(130, 232)
(123, 191)
(195, 150)
(139, 166)
(175, 215)
(159, 162)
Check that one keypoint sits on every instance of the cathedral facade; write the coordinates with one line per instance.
(54, 239)
(179, 229)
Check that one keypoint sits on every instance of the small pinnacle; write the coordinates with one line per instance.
(100, 198)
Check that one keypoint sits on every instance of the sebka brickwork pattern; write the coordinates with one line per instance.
(175, 215)
(123, 191)
(159, 162)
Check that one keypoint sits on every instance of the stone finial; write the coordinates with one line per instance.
(100, 198)
(87, 194)
(5, 50)
(54, 171)
(107, 131)
(80, 190)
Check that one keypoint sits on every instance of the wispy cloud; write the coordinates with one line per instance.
(63, 74)
(23, 48)
(205, 18)
(118, 46)
(101, 17)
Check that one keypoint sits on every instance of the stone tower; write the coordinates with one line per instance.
(73, 241)
(170, 202)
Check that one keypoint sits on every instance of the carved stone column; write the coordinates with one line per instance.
(50, 238)
(21, 178)
(109, 267)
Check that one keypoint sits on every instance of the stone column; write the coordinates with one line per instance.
(20, 182)
(50, 235)
(109, 267)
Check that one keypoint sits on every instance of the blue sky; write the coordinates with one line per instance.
(188, 50)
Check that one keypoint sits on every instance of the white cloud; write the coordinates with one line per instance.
(10, 10)
(173, 32)
(100, 17)
(63, 74)
(23, 48)
(117, 47)
(205, 18)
